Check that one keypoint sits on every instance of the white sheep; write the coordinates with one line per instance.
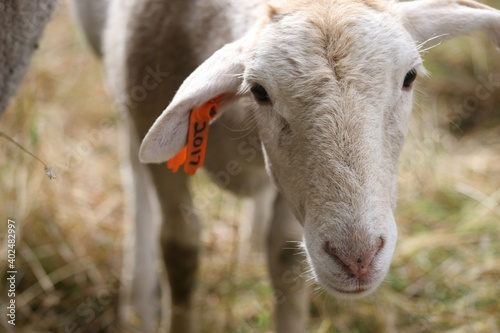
(328, 85)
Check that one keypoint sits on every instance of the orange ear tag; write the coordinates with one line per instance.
(192, 155)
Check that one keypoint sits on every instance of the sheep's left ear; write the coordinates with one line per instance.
(219, 76)
(436, 20)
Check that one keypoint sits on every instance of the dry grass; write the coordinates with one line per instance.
(444, 276)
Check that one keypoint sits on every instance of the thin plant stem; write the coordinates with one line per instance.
(48, 170)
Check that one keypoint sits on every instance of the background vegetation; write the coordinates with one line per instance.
(446, 271)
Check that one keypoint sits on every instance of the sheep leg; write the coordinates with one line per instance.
(180, 241)
(139, 304)
(287, 265)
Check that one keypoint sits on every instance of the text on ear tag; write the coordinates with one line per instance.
(192, 156)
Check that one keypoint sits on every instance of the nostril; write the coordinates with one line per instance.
(333, 253)
(355, 266)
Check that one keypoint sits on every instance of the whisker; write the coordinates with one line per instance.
(420, 48)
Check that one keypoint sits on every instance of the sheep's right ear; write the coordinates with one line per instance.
(221, 74)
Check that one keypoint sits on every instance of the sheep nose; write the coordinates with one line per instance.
(355, 265)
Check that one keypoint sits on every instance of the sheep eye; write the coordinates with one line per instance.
(409, 78)
(259, 93)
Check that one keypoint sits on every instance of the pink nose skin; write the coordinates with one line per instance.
(355, 265)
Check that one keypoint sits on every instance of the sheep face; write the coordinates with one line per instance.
(332, 106)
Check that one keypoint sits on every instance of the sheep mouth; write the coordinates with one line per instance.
(351, 292)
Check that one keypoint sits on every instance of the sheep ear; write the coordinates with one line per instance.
(435, 20)
(221, 74)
